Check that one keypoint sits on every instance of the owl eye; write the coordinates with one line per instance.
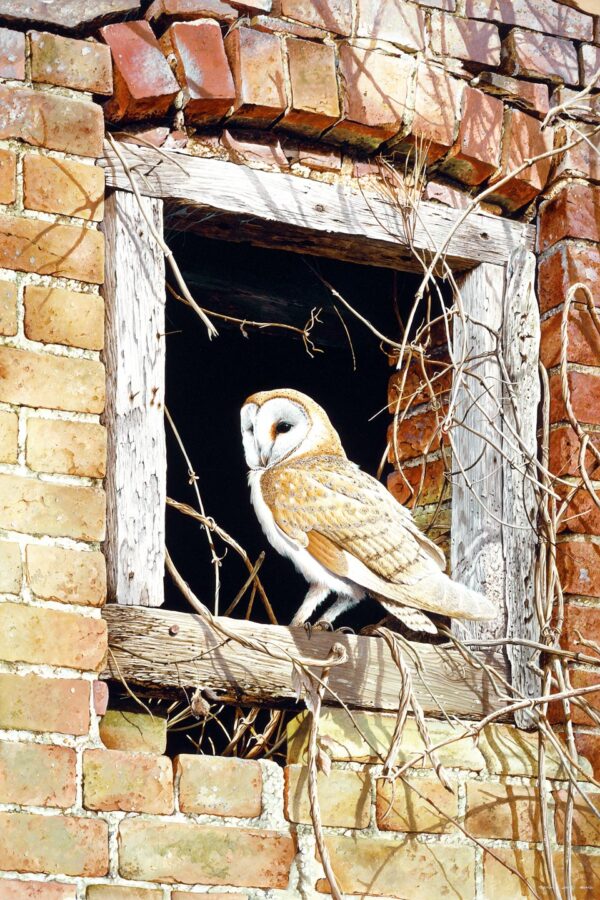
(283, 427)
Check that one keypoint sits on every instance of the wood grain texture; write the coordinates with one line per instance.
(521, 345)
(152, 659)
(476, 551)
(233, 202)
(134, 291)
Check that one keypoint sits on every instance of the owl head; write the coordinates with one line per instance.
(282, 424)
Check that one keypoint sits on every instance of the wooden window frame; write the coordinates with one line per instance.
(493, 261)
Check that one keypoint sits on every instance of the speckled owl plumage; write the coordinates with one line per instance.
(342, 529)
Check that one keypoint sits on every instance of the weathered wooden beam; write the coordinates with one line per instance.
(521, 347)
(233, 202)
(134, 291)
(476, 549)
(160, 651)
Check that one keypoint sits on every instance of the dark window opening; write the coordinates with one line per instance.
(207, 382)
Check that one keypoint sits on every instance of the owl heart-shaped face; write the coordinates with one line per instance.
(272, 431)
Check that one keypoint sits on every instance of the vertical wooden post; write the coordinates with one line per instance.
(521, 345)
(476, 549)
(135, 361)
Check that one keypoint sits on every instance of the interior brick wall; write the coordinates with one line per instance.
(90, 805)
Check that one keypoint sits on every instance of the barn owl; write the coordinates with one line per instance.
(339, 526)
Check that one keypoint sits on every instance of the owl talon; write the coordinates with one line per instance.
(323, 625)
(308, 629)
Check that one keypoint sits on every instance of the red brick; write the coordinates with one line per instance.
(265, 153)
(37, 775)
(256, 59)
(260, 859)
(37, 890)
(585, 108)
(63, 186)
(320, 159)
(44, 636)
(54, 845)
(476, 154)
(579, 567)
(447, 194)
(564, 452)
(507, 811)
(584, 389)
(100, 697)
(567, 264)
(416, 435)
(51, 121)
(12, 54)
(477, 42)
(144, 83)
(523, 139)
(574, 213)
(528, 95)
(582, 160)
(8, 174)
(129, 782)
(66, 251)
(81, 65)
(66, 576)
(538, 15)
(583, 338)
(55, 382)
(414, 385)
(165, 11)
(579, 679)
(532, 55)
(427, 488)
(399, 22)
(579, 620)
(71, 15)
(33, 703)
(437, 110)
(315, 104)
(590, 63)
(8, 307)
(284, 26)
(588, 746)
(375, 91)
(332, 15)
(60, 316)
(202, 69)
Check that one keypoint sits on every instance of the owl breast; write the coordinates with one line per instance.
(306, 564)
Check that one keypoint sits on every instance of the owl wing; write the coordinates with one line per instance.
(353, 526)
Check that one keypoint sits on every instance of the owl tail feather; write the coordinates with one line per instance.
(439, 594)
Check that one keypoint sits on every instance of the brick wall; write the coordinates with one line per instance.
(314, 89)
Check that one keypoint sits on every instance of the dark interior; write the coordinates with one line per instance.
(207, 382)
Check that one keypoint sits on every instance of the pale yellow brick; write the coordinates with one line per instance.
(219, 786)
(8, 308)
(58, 510)
(117, 892)
(9, 436)
(72, 448)
(344, 797)
(11, 573)
(400, 808)
(59, 316)
(376, 866)
(344, 741)
(54, 382)
(37, 775)
(63, 186)
(509, 751)
(129, 782)
(55, 845)
(204, 854)
(68, 576)
(124, 730)
(45, 636)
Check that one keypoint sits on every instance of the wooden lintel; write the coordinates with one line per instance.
(159, 651)
(234, 202)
